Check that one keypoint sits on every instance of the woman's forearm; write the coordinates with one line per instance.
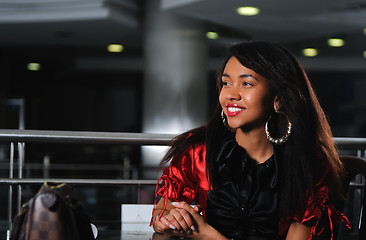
(298, 231)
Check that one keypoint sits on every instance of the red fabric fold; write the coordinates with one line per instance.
(318, 208)
(165, 180)
(184, 179)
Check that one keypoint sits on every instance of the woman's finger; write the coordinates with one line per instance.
(193, 212)
(172, 230)
(197, 208)
(187, 218)
(164, 224)
(184, 205)
(182, 218)
(173, 223)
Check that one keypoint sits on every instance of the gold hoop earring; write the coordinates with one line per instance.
(282, 139)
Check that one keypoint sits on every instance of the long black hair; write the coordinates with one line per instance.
(310, 146)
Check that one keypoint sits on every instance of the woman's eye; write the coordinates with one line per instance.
(225, 83)
(247, 84)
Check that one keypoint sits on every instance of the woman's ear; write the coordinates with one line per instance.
(276, 103)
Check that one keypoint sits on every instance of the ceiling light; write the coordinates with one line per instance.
(309, 52)
(247, 11)
(212, 35)
(34, 66)
(116, 48)
(335, 42)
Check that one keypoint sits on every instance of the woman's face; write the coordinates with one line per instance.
(245, 97)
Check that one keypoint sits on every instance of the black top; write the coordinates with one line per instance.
(243, 202)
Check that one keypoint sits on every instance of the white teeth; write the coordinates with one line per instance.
(234, 109)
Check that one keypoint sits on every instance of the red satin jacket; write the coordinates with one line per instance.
(185, 180)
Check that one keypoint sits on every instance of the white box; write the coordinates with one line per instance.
(136, 218)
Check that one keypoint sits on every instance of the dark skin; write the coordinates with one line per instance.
(183, 216)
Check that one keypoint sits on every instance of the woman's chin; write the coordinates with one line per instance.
(234, 126)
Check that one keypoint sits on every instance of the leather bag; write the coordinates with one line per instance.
(52, 214)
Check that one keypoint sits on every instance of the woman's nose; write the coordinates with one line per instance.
(233, 94)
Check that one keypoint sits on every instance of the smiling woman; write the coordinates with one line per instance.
(245, 96)
(248, 184)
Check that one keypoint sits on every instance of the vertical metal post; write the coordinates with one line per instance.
(126, 168)
(20, 172)
(46, 166)
(359, 192)
(21, 113)
(363, 195)
(10, 197)
(138, 193)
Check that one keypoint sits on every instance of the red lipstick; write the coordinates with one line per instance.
(233, 109)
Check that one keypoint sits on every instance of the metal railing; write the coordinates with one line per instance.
(19, 137)
(14, 135)
(22, 136)
(10, 135)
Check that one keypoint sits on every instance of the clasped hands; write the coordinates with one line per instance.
(182, 220)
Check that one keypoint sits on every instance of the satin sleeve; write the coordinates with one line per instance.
(185, 178)
(320, 215)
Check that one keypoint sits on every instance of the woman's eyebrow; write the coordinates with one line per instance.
(241, 76)
(248, 75)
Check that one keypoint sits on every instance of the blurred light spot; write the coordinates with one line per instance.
(212, 35)
(152, 155)
(247, 11)
(115, 48)
(309, 52)
(364, 31)
(364, 54)
(92, 200)
(336, 42)
(34, 66)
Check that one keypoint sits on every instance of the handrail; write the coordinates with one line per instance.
(15, 135)
(78, 181)
(350, 143)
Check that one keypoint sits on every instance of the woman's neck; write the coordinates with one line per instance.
(255, 143)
